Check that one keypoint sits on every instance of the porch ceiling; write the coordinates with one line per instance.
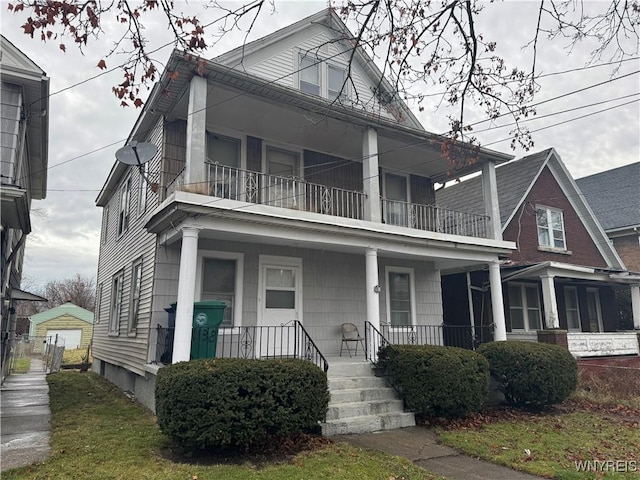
(276, 113)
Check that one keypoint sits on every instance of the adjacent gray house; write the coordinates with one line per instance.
(299, 204)
(24, 148)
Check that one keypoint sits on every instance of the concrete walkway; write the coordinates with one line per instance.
(420, 445)
(25, 418)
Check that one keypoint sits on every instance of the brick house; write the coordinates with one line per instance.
(564, 272)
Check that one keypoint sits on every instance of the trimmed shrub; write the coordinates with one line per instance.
(229, 402)
(437, 381)
(531, 374)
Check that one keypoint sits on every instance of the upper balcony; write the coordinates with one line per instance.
(225, 182)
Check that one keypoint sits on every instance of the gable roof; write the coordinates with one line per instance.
(64, 309)
(614, 196)
(330, 19)
(514, 181)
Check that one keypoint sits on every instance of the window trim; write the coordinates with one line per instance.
(238, 287)
(412, 292)
(115, 303)
(143, 186)
(134, 309)
(105, 224)
(548, 211)
(323, 64)
(98, 306)
(124, 207)
(525, 308)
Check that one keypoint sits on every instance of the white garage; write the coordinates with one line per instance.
(70, 339)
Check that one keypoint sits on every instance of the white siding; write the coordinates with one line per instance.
(279, 63)
(128, 350)
(333, 288)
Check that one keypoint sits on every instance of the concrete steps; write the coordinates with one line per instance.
(361, 402)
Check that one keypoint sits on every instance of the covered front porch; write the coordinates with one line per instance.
(290, 285)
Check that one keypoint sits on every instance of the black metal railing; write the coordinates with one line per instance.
(374, 340)
(463, 336)
(289, 340)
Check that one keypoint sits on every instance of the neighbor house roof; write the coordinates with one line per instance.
(614, 196)
(514, 182)
(514, 179)
(64, 309)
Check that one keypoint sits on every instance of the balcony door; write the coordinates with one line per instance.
(397, 195)
(282, 184)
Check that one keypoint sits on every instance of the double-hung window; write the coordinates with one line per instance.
(309, 74)
(400, 296)
(219, 283)
(550, 228)
(572, 308)
(116, 303)
(124, 213)
(336, 87)
(524, 308)
(136, 283)
(318, 77)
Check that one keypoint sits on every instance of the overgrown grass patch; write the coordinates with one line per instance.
(75, 356)
(21, 365)
(550, 444)
(99, 433)
(614, 381)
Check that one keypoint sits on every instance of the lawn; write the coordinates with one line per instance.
(99, 433)
(600, 422)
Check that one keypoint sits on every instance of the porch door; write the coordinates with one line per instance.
(594, 312)
(281, 303)
(397, 197)
(282, 185)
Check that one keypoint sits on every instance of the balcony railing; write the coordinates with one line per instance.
(255, 342)
(434, 219)
(294, 193)
(285, 192)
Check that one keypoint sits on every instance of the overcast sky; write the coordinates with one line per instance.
(87, 125)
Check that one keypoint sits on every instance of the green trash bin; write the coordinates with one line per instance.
(207, 317)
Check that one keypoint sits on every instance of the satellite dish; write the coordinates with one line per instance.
(136, 154)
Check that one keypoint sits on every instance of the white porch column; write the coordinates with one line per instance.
(497, 302)
(551, 319)
(186, 294)
(371, 182)
(635, 305)
(490, 193)
(372, 288)
(195, 175)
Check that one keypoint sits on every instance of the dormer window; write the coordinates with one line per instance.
(310, 75)
(550, 228)
(318, 77)
(336, 77)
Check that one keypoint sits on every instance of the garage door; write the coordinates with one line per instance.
(69, 338)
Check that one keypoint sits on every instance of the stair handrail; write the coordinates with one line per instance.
(373, 341)
(310, 351)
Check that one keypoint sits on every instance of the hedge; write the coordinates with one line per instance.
(437, 381)
(531, 374)
(227, 402)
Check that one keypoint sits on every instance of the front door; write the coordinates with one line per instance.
(280, 298)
